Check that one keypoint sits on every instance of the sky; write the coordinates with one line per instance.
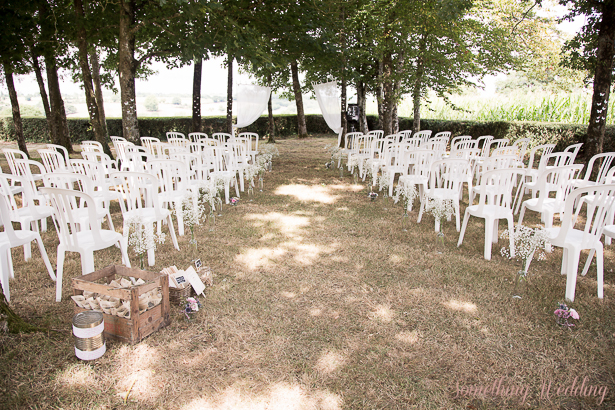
(214, 80)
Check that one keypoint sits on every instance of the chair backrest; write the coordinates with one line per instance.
(22, 168)
(138, 190)
(598, 209)
(52, 160)
(459, 138)
(377, 133)
(450, 174)
(505, 150)
(496, 187)
(466, 153)
(148, 141)
(443, 134)
(252, 138)
(483, 142)
(11, 155)
(5, 219)
(405, 134)
(221, 137)
(423, 135)
(173, 134)
(604, 160)
(574, 149)
(172, 175)
(136, 158)
(542, 150)
(91, 146)
(499, 162)
(196, 136)
(120, 149)
(555, 159)
(6, 181)
(61, 149)
(65, 203)
(421, 160)
(522, 144)
(108, 165)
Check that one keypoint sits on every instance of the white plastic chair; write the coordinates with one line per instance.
(604, 161)
(53, 160)
(494, 203)
(140, 202)
(574, 149)
(92, 146)
(173, 180)
(147, 143)
(196, 136)
(587, 236)
(252, 138)
(446, 179)
(216, 157)
(11, 238)
(76, 236)
(423, 135)
(29, 210)
(61, 149)
(419, 172)
(558, 180)
(221, 137)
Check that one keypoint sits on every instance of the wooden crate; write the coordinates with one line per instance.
(140, 325)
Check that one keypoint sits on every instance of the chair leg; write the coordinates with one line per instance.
(43, 252)
(87, 263)
(511, 234)
(180, 218)
(123, 244)
(172, 232)
(488, 237)
(463, 228)
(588, 262)
(9, 260)
(151, 257)
(571, 274)
(59, 274)
(600, 271)
(4, 274)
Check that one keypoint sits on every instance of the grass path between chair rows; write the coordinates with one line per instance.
(322, 301)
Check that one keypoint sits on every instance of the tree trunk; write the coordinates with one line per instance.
(229, 96)
(361, 101)
(388, 94)
(127, 70)
(196, 94)
(90, 95)
(301, 127)
(395, 120)
(100, 102)
(418, 84)
(41, 86)
(61, 135)
(380, 96)
(271, 127)
(602, 82)
(344, 99)
(21, 142)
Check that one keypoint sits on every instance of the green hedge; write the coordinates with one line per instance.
(35, 129)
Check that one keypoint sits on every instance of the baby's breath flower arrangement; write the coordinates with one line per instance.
(142, 237)
(526, 242)
(407, 194)
(383, 184)
(441, 210)
(336, 155)
(193, 211)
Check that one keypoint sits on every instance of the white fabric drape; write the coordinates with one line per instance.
(328, 98)
(251, 102)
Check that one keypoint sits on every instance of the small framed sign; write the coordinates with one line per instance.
(192, 277)
(198, 263)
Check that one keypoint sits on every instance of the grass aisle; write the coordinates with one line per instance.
(322, 301)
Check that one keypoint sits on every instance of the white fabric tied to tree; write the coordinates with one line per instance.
(328, 98)
(251, 102)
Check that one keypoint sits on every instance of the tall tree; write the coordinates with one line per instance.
(90, 95)
(593, 49)
(8, 76)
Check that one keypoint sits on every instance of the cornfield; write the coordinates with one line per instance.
(564, 108)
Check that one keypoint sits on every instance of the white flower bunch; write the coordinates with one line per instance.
(269, 149)
(335, 151)
(355, 162)
(192, 210)
(262, 162)
(208, 191)
(527, 241)
(383, 181)
(252, 171)
(142, 237)
(440, 209)
(405, 192)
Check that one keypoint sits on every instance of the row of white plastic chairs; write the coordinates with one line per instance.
(555, 173)
(171, 175)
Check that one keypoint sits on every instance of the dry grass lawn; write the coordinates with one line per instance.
(322, 301)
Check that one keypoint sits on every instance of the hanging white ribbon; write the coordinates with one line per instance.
(251, 102)
(327, 95)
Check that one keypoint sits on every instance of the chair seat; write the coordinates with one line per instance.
(573, 236)
(85, 240)
(494, 211)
